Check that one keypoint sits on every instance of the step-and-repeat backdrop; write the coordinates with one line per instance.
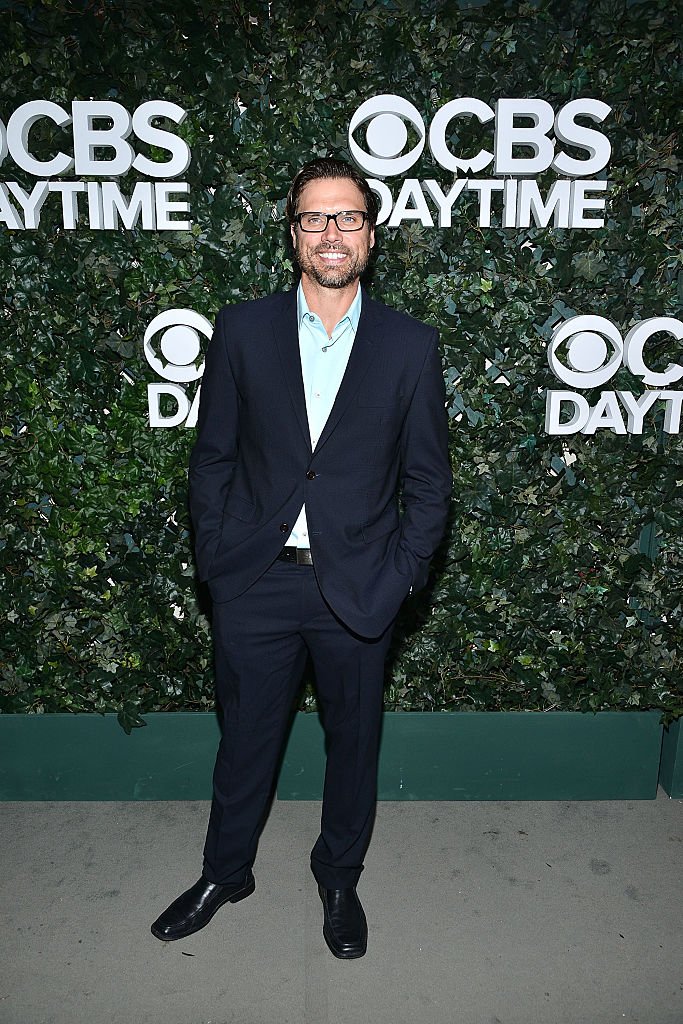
(526, 170)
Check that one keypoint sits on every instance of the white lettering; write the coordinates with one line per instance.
(673, 401)
(175, 391)
(31, 202)
(386, 200)
(579, 204)
(94, 206)
(18, 128)
(637, 407)
(146, 132)
(87, 138)
(129, 210)
(510, 203)
(531, 205)
(437, 135)
(411, 191)
(8, 214)
(485, 186)
(634, 343)
(444, 202)
(191, 420)
(554, 401)
(165, 207)
(605, 413)
(534, 136)
(69, 191)
(595, 143)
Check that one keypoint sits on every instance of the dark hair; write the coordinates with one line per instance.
(329, 167)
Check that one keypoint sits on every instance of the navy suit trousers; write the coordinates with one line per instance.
(261, 641)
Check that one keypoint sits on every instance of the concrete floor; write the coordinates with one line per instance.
(479, 913)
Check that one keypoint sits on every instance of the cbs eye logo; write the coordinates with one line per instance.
(175, 354)
(386, 135)
(594, 353)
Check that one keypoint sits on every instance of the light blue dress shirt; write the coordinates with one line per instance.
(323, 362)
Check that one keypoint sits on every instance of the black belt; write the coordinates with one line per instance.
(299, 556)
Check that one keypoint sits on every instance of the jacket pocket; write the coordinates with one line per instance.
(240, 508)
(386, 522)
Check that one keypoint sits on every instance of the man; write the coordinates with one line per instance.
(319, 408)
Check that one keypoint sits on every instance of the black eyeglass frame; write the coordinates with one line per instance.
(330, 216)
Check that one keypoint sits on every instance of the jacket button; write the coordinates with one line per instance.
(310, 475)
(284, 528)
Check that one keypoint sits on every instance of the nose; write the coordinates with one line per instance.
(331, 232)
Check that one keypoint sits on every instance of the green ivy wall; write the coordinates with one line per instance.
(558, 586)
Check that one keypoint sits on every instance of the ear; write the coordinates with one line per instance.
(372, 237)
(292, 230)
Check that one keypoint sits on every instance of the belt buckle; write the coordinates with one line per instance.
(303, 556)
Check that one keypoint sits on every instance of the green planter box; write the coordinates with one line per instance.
(671, 768)
(90, 757)
(424, 756)
(490, 755)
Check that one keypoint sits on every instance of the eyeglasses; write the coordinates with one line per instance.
(346, 220)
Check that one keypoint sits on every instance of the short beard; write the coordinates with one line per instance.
(334, 278)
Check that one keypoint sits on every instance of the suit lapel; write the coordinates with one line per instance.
(286, 331)
(362, 354)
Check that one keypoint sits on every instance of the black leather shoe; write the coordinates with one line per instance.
(345, 929)
(196, 907)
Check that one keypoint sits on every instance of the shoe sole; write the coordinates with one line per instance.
(241, 894)
(338, 953)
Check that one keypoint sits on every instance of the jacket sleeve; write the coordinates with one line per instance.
(214, 455)
(426, 480)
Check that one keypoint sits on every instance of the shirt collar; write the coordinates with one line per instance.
(352, 313)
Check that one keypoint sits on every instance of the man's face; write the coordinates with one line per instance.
(332, 258)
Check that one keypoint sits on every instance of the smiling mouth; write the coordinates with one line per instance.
(332, 255)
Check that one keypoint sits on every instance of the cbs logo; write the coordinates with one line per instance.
(175, 355)
(386, 134)
(595, 351)
(96, 126)
(591, 363)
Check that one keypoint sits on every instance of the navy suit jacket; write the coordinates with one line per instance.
(252, 466)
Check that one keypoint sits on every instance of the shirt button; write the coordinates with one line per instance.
(310, 475)
(284, 527)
